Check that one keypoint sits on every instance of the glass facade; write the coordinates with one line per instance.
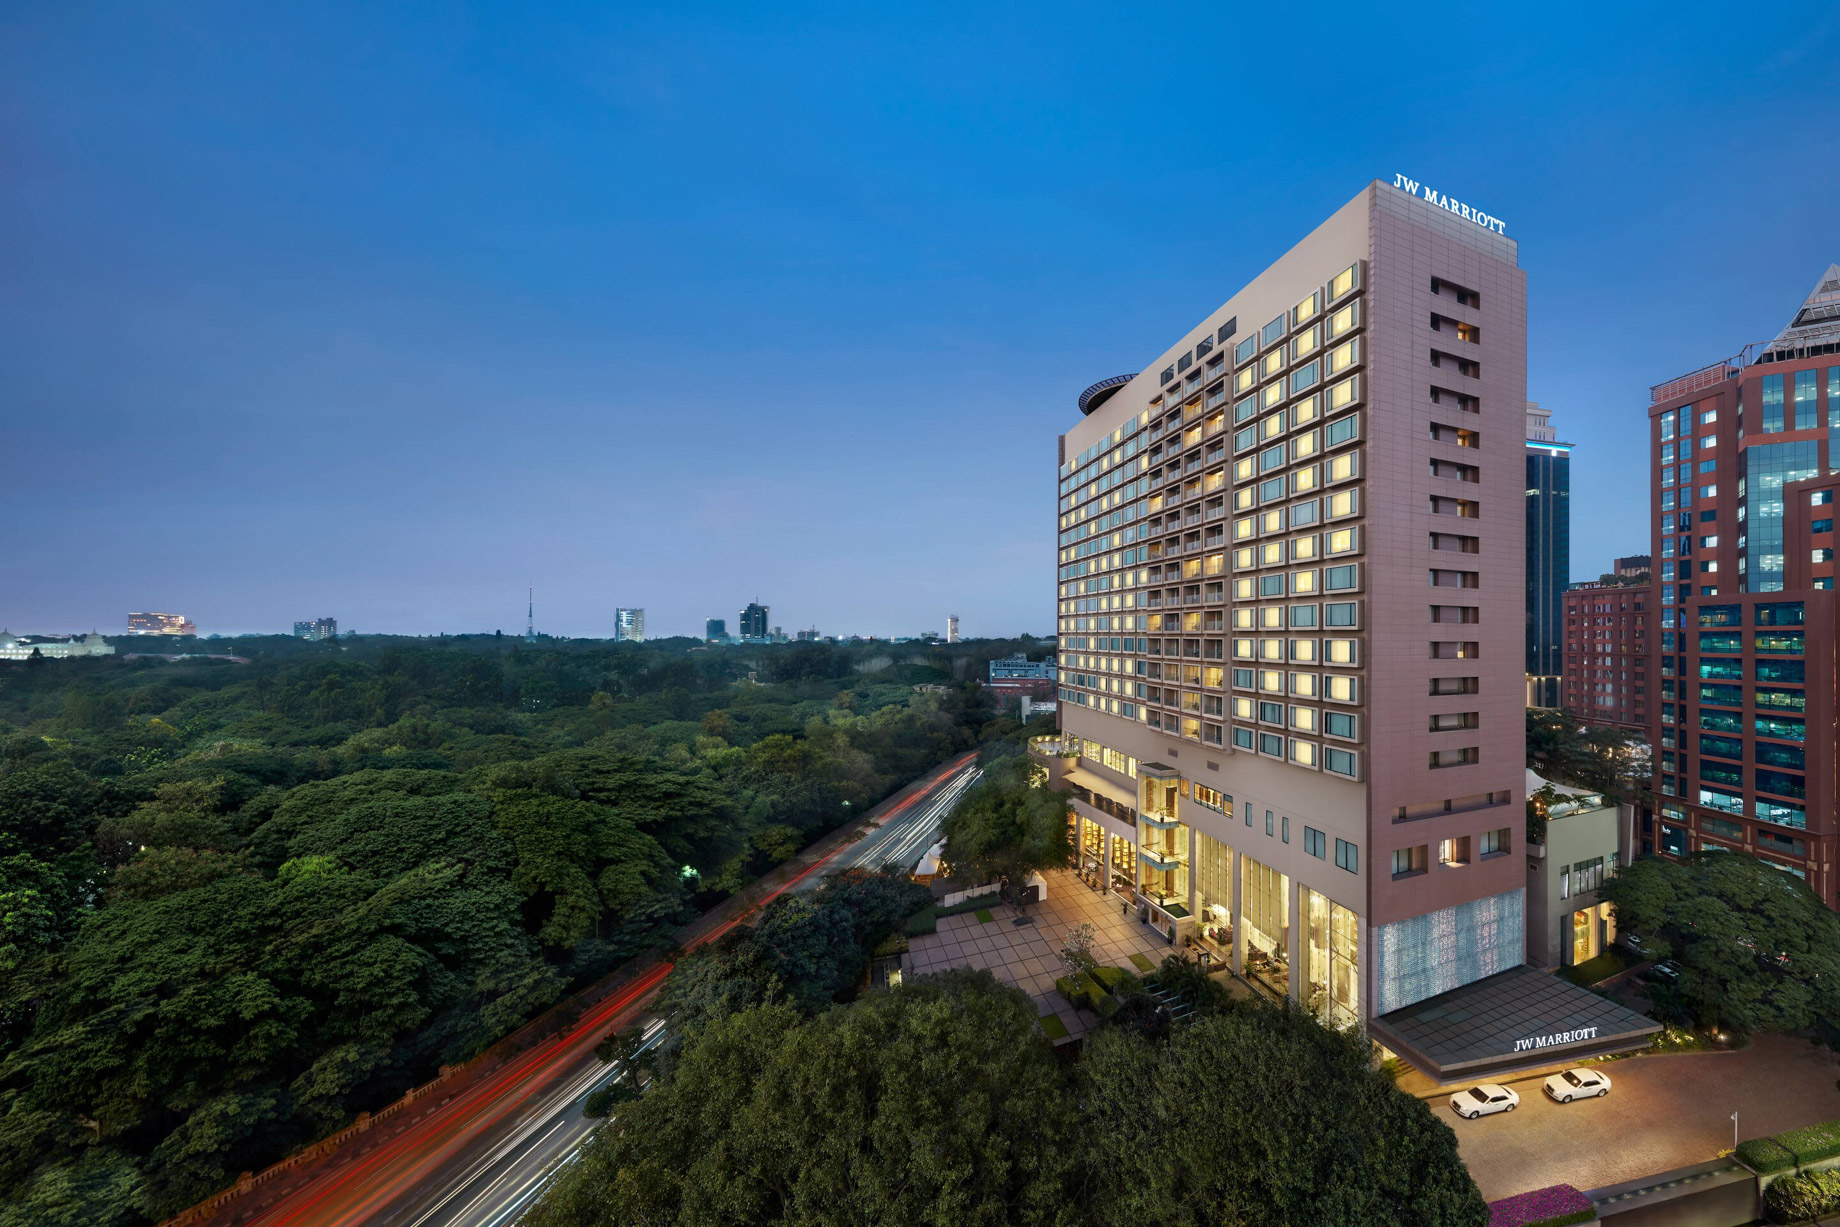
(1332, 965)
(1265, 911)
(1214, 894)
(1423, 956)
(1766, 468)
(1549, 556)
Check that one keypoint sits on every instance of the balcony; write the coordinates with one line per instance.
(1162, 822)
(1157, 858)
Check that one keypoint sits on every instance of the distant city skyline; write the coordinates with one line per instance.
(379, 310)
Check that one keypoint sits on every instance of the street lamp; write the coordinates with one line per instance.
(1734, 1133)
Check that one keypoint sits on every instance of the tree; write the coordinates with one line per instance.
(937, 1102)
(1597, 758)
(1757, 949)
(1007, 826)
(1362, 1154)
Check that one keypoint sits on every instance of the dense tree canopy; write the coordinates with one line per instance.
(936, 1103)
(1008, 825)
(1756, 947)
(1259, 1115)
(241, 903)
(939, 1102)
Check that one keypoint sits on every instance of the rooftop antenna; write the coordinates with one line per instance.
(530, 615)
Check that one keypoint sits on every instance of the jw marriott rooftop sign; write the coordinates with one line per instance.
(1413, 187)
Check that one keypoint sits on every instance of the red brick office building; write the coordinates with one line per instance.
(1606, 654)
(1744, 724)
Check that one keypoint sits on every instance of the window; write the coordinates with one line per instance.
(1772, 404)
(1342, 613)
(1409, 861)
(1341, 762)
(1455, 851)
(1802, 407)
(1315, 843)
(1347, 856)
(1340, 579)
(1495, 843)
(1777, 613)
(1344, 281)
(1271, 332)
(1339, 724)
(1463, 757)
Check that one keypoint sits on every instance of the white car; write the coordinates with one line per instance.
(1482, 1099)
(1571, 1084)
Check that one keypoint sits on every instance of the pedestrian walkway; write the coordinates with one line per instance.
(1028, 955)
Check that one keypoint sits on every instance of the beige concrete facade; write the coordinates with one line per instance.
(1213, 636)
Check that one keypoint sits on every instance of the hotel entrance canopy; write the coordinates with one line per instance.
(1517, 1019)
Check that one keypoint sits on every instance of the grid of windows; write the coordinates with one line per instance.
(1179, 527)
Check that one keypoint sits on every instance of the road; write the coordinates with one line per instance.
(481, 1158)
(903, 839)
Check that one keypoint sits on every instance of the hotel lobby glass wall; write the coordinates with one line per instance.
(1265, 910)
(1091, 845)
(1214, 895)
(1593, 931)
(1331, 959)
(1124, 866)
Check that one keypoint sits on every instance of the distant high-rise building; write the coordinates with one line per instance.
(951, 628)
(318, 628)
(1606, 654)
(715, 630)
(1632, 566)
(1743, 481)
(753, 625)
(629, 625)
(160, 624)
(808, 636)
(1549, 548)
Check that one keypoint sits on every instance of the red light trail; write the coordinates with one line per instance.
(355, 1191)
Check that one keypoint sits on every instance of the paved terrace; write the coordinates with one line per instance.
(1028, 955)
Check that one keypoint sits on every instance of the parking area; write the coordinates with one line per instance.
(1663, 1112)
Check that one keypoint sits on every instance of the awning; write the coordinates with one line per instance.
(1516, 1019)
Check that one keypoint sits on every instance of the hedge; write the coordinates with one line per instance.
(1765, 1155)
(1115, 980)
(1796, 1148)
(1812, 1143)
(1805, 1195)
(922, 922)
(1554, 1206)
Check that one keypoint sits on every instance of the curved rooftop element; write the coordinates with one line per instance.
(1101, 392)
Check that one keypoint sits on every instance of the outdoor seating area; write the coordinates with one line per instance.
(1028, 955)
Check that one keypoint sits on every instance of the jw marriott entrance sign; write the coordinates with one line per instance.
(1562, 1037)
(1521, 1018)
(1424, 191)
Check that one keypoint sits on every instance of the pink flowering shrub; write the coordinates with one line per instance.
(1549, 1207)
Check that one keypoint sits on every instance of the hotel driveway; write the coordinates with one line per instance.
(1663, 1112)
(1028, 956)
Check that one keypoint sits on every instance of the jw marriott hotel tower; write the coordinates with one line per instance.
(1291, 605)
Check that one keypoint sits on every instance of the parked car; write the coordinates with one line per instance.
(1633, 943)
(1665, 973)
(1571, 1084)
(1482, 1100)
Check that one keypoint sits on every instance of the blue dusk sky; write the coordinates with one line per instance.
(385, 311)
